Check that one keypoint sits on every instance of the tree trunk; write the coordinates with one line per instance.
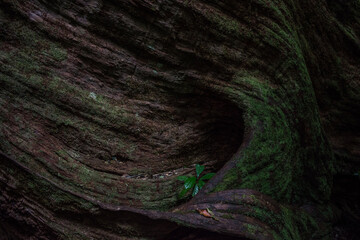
(104, 103)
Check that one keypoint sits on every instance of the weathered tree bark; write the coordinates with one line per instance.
(103, 103)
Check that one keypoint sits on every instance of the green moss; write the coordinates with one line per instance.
(62, 153)
(181, 222)
(113, 193)
(231, 177)
(56, 52)
(287, 223)
(130, 150)
(225, 24)
(85, 175)
(251, 228)
(164, 198)
(25, 34)
(101, 110)
(274, 162)
(47, 194)
(227, 216)
(296, 225)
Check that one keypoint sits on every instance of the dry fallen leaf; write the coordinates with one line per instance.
(204, 212)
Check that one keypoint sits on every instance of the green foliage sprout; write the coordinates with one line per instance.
(194, 182)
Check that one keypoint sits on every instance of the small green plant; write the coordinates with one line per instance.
(194, 182)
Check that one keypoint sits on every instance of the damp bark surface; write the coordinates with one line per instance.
(103, 104)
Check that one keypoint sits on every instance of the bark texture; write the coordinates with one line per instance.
(103, 103)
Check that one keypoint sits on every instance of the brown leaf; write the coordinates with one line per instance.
(204, 212)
